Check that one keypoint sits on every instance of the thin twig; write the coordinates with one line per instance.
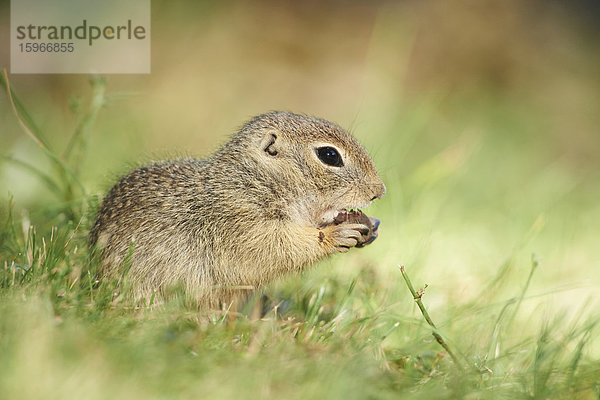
(417, 295)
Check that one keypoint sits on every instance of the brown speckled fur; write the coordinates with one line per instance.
(242, 217)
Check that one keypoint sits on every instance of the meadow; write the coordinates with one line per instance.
(483, 122)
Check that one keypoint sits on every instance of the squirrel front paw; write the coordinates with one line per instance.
(339, 238)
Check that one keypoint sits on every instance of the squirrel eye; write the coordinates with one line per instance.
(330, 156)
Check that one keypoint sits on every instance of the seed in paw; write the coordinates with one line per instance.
(358, 217)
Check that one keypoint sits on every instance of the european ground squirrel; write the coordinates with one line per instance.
(272, 200)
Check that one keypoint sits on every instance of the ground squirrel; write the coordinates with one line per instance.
(266, 204)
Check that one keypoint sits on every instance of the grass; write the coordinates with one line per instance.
(326, 335)
(491, 207)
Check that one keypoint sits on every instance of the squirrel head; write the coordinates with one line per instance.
(313, 163)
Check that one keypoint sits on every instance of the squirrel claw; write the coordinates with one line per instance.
(340, 238)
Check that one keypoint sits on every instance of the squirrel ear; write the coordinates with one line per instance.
(269, 145)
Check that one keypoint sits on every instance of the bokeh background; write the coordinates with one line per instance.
(482, 116)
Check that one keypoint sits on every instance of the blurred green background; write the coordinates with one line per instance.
(482, 117)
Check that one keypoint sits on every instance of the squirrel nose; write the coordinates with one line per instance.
(380, 192)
